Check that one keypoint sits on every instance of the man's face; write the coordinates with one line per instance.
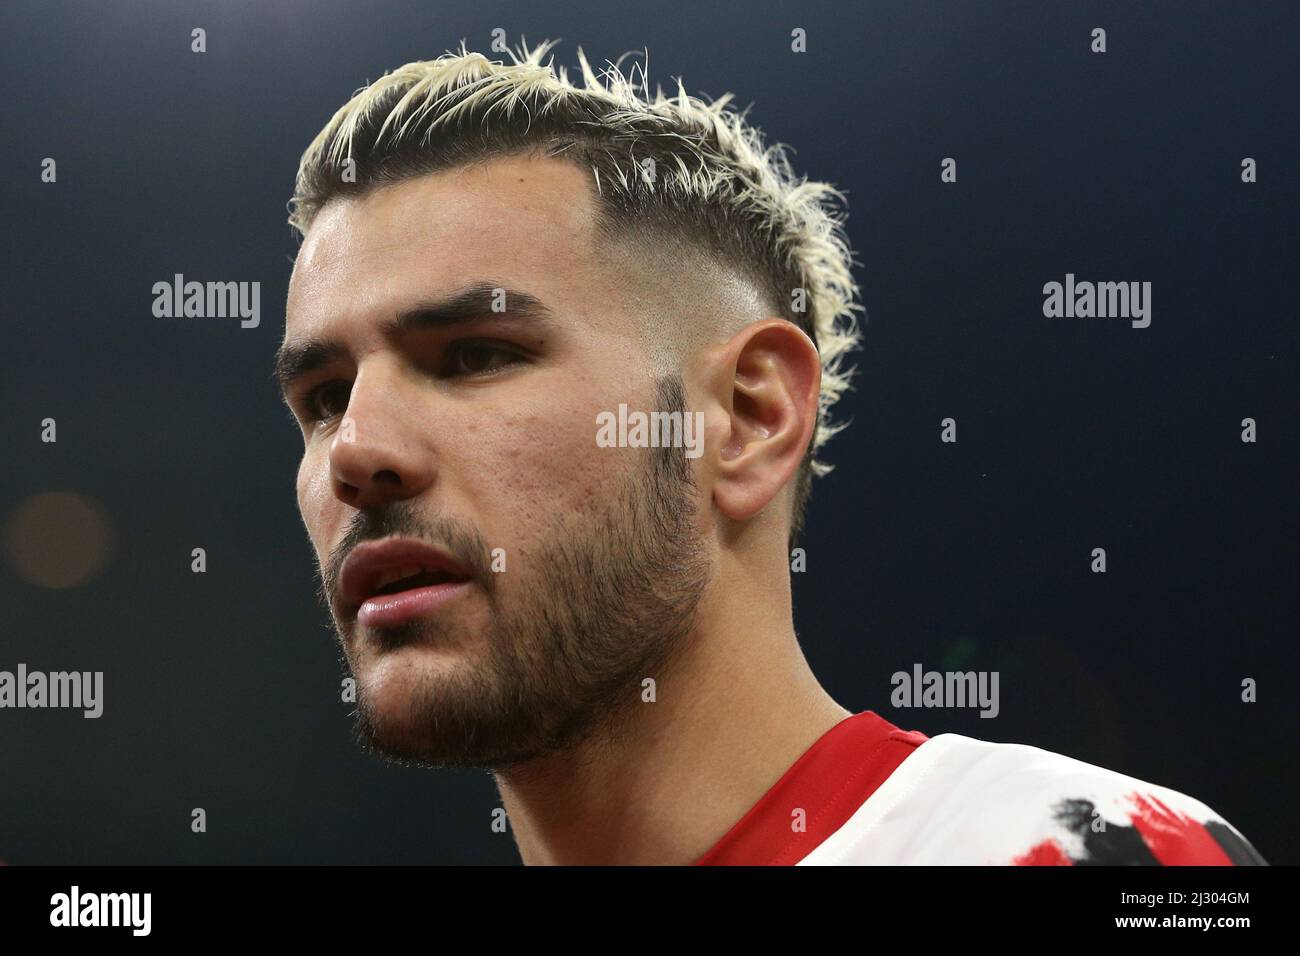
(455, 432)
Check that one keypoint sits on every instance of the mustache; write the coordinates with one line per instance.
(402, 519)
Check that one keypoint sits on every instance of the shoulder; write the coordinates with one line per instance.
(959, 800)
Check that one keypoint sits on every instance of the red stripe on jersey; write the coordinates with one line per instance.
(1047, 853)
(1175, 839)
(829, 782)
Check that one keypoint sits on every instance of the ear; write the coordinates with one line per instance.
(768, 379)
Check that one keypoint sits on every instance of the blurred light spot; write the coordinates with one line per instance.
(57, 539)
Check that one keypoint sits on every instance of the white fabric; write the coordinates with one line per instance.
(957, 800)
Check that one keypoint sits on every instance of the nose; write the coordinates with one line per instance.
(378, 455)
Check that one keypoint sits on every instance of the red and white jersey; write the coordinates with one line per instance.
(868, 793)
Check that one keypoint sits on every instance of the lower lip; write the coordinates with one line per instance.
(389, 610)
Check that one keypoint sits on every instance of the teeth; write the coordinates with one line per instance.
(388, 577)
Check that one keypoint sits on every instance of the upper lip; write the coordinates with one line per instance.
(371, 560)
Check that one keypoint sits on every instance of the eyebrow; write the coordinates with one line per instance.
(296, 359)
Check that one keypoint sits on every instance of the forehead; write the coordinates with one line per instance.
(528, 221)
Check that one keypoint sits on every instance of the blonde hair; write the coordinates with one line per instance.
(712, 180)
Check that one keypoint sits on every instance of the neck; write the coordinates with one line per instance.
(740, 708)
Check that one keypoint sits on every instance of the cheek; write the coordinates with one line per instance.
(314, 497)
(540, 467)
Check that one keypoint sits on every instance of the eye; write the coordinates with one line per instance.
(327, 400)
(480, 358)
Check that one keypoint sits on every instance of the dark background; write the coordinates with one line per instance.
(221, 689)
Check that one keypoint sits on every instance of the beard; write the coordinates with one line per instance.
(609, 602)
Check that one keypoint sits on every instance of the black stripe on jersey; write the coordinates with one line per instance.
(1239, 850)
(1116, 845)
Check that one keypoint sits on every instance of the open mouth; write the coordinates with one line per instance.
(410, 595)
(396, 580)
(391, 572)
(408, 579)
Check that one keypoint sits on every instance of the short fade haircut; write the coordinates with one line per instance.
(710, 183)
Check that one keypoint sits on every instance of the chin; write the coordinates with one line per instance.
(403, 681)
(397, 734)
